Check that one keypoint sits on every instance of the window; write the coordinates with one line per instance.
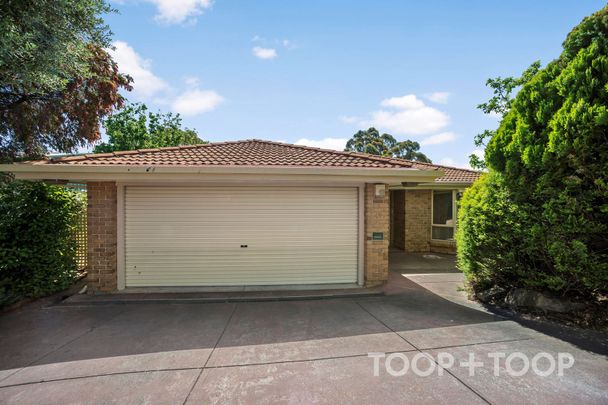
(444, 214)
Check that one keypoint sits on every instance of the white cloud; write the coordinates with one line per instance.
(196, 101)
(409, 122)
(145, 83)
(264, 53)
(325, 143)
(440, 97)
(407, 102)
(192, 81)
(479, 153)
(438, 139)
(404, 115)
(149, 87)
(495, 115)
(447, 162)
(350, 119)
(179, 11)
(288, 44)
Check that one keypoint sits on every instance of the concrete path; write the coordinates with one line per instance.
(283, 352)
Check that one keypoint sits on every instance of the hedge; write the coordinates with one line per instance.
(37, 239)
(539, 218)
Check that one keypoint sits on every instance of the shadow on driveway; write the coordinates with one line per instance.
(307, 351)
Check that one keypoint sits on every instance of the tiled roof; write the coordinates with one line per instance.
(257, 153)
(451, 174)
(239, 153)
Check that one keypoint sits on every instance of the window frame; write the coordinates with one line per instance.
(454, 216)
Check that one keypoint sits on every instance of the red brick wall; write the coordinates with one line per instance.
(101, 233)
(376, 220)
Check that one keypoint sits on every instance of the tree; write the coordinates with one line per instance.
(548, 163)
(500, 104)
(371, 141)
(134, 127)
(57, 81)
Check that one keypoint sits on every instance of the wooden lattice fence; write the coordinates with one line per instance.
(81, 229)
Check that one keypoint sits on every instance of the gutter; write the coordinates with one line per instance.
(121, 172)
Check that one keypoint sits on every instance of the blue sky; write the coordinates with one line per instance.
(314, 72)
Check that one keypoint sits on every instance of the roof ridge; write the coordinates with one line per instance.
(346, 153)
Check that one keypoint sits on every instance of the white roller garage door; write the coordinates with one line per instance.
(206, 236)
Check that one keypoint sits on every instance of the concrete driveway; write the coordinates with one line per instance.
(313, 351)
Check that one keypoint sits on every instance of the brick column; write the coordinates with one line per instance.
(376, 251)
(417, 220)
(101, 233)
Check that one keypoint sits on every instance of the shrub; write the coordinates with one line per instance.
(509, 243)
(37, 243)
(539, 219)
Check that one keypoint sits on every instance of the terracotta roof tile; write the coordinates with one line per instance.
(239, 153)
(451, 174)
(255, 153)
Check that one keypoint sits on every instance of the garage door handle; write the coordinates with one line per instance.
(243, 246)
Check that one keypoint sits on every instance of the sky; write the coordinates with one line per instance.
(315, 72)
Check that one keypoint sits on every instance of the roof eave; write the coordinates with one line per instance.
(186, 173)
(437, 185)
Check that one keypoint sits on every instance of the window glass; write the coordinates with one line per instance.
(442, 208)
(443, 233)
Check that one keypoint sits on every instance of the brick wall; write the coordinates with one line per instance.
(101, 233)
(418, 220)
(443, 246)
(376, 251)
(418, 224)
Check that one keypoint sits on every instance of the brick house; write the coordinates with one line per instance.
(254, 213)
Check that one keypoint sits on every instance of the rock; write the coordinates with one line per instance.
(491, 294)
(520, 297)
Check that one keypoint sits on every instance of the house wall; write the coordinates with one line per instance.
(418, 220)
(418, 211)
(101, 234)
(376, 251)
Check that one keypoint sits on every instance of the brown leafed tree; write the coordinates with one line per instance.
(57, 81)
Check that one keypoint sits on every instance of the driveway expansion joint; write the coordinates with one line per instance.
(82, 377)
(196, 380)
(479, 343)
(420, 351)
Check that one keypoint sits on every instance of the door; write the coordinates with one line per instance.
(214, 236)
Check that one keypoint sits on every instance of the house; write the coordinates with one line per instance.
(254, 213)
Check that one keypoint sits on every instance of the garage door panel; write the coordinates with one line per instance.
(187, 236)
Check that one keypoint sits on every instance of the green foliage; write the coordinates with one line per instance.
(371, 141)
(37, 243)
(499, 104)
(549, 166)
(134, 127)
(57, 81)
(45, 42)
